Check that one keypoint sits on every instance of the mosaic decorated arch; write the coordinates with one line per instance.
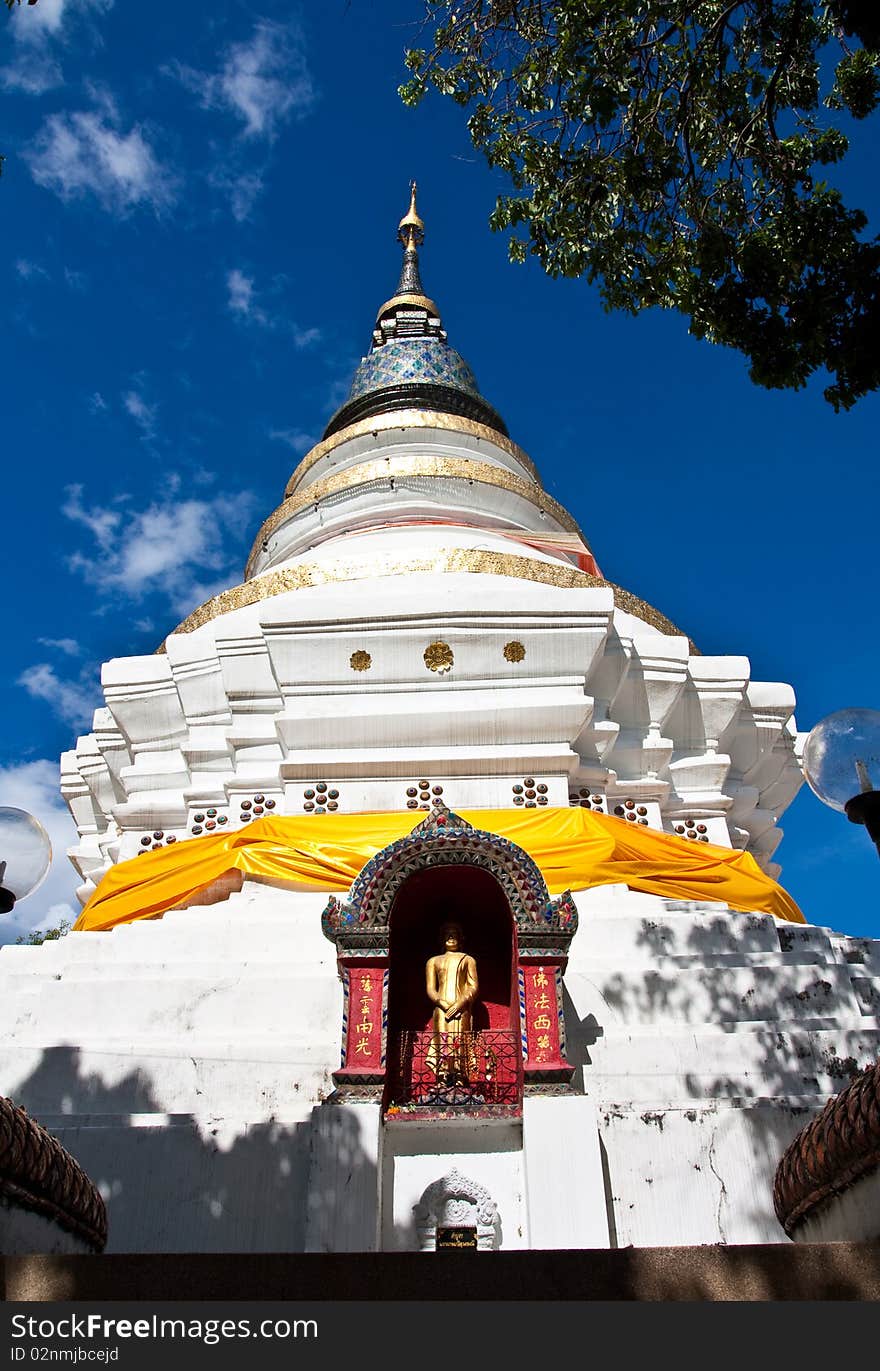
(360, 926)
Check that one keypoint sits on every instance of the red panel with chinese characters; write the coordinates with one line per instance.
(366, 1000)
(541, 1020)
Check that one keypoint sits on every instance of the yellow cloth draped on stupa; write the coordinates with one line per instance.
(573, 847)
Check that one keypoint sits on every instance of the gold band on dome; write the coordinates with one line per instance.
(403, 419)
(417, 302)
(387, 468)
(444, 560)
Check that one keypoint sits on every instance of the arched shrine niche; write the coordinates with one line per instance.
(475, 1063)
(393, 1041)
(472, 898)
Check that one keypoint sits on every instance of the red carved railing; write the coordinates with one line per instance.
(458, 1072)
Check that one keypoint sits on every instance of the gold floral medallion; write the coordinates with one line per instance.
(439, 657)
(360, 660)
(514, 652)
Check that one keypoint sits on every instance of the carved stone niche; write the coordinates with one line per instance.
(454, 1201)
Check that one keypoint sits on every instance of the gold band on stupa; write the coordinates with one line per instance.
(447, 560)
(411, 302)
(402, 420)
(393, 468)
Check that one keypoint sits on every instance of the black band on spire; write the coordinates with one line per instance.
(410, 282)
(416, 395)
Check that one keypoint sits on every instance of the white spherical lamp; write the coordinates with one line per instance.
(25, 855)
(842, 765)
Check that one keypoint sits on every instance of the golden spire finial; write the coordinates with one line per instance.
(411, 229)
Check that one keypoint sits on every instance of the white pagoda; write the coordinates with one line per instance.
(425, 704)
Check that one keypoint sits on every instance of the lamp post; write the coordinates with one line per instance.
(25, 856)
(842, 765)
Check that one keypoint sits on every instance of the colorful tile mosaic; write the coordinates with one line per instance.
(410, 361)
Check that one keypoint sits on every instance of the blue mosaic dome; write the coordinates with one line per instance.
(410, 365)
(414, 373)
(411, 361)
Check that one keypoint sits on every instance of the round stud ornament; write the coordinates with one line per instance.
(439, 657)
(514, 652)
(360, 660)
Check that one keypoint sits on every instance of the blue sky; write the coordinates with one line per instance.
(200, 207)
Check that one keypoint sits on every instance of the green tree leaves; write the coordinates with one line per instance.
(45, 935)
(669, 152)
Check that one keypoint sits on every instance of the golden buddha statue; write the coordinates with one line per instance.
(452, 986)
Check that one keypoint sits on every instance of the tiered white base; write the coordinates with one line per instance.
(184, 1063)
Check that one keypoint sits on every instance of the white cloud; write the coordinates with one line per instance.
(242, 301)
(33, 72)
(103, 523)
(97, 403)
(241, 188)
(38, 31)
(263, 82)
(143, 414)
(34, 24)
(34, 786)
(69, 646)
(88, 153)
(304, 337)
(241, 298)
(167, 547)
(26, 269)
(295, 438)
(72, 701)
